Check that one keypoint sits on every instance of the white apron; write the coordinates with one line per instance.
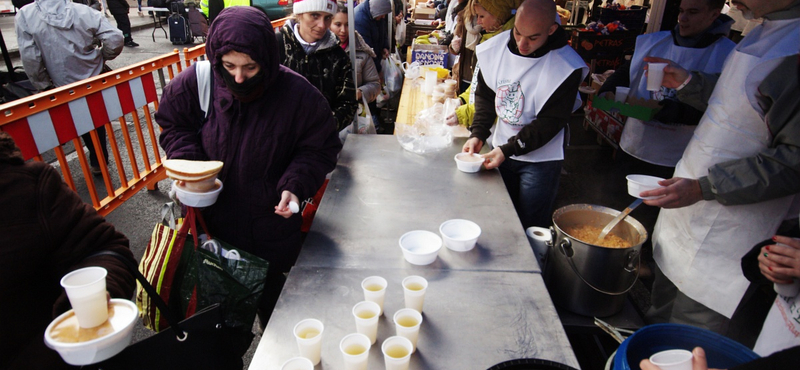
(781, 329)
(653, 141)
(522, 85)
(699, 247)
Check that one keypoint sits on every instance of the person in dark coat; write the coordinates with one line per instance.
(46, 231)
(119, 9)
(313, 51)
(273, 130)
(371, 23)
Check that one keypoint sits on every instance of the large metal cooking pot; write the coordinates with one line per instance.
(588, 279)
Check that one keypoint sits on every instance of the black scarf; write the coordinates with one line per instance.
(246, 91)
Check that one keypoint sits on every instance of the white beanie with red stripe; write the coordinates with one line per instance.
(307, 6)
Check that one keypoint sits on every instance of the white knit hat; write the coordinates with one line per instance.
(307, 6)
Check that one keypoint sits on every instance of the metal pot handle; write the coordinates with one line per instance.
(566, 243)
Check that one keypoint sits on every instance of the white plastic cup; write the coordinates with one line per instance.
(86, 290)
(431, 78)
(297, 363)
(366, 314)
(374, 290)
(673, 359)
(414, 288)
(355, 349)
(396, 353)
(622, 94)
(406, 324)
(308, 333)
(655, 75)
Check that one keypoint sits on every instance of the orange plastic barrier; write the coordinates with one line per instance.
(49, 121)
(195, 54)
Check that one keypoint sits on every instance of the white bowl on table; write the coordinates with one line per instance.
(195, 199)
(467, 162)
(420, 247)
(459, 235)
(640, 183)
(115, 335)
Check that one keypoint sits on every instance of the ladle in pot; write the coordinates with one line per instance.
(617, 219)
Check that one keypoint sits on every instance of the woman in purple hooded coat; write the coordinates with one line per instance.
(273, 130)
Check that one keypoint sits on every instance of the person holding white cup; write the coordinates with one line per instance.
(780, 264)
(61, 234)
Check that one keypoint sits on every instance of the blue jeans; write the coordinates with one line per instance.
(532, 187)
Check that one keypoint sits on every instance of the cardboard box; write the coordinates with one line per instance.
(589, 44)
(423, 12)
(429, 54)
(643, 109)
(608, 124)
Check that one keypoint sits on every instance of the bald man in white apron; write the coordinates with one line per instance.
(528, 83)
(737, 178)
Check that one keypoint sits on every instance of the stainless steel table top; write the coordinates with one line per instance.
(472, 320)
(379, 191)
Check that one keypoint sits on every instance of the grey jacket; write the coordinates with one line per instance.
(367, 78)
(775, 172)
(61, 42)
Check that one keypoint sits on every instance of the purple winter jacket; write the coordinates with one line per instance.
(284, 140)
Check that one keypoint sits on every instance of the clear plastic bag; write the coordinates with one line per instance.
(392, 74)
(427, 134)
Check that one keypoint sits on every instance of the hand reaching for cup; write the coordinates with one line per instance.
(674, 74)
(780, 262)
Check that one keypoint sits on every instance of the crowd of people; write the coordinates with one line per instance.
(726, 141)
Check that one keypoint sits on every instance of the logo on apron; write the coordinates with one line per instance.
(509, 103)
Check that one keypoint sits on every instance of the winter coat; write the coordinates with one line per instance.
(367, 76)
(328, 68)
(117, 7)
(284, 140)
(375, 33)
(58, 42)
(46, 231)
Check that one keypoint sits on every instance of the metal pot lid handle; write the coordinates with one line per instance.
(575, 270)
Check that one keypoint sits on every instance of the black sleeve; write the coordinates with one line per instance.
(620, 77)
(553, 117)
(485, 114)
(783, 360)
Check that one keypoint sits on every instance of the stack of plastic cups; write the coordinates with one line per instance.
(438, 94)
(450, 88)
(430, 82)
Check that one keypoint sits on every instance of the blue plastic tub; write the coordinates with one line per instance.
(721, 352)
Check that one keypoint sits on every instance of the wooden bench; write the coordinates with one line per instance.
(49, 121)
